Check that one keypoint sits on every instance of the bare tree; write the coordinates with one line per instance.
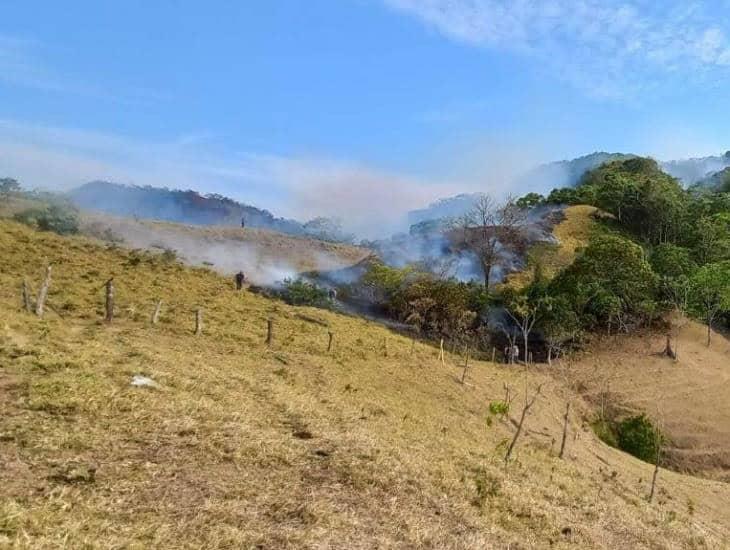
(657, 459)
(529, 402)
(487, 229)
(678, 292)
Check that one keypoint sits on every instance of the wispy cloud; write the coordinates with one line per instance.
(609, 49)
(369, 200)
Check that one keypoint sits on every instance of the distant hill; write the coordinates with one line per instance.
(566, 173)
(450, 207)
(176, 206)
(691, 171)
(717, 181)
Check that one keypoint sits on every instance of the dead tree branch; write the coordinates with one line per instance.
(529, 402)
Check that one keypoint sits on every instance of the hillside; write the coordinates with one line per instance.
(369, 445)
(176, 206)
(566, 173)
(689, 397)
(690, 171)
(571, 234)
(265, 256)
(716, 181)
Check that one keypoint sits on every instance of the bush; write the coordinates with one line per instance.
(606, 431)
(639, 437)
(299, 292)
(59, 219)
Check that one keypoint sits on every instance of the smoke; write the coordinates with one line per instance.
(267, 259)
(372, 202)
(431, 245)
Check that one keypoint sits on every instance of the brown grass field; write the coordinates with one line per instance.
(690, 398)
(263, 255)
(243, 446)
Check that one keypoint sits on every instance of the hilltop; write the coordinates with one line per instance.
(370, 444)
(175, 206)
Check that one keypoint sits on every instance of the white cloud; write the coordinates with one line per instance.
(609, 49)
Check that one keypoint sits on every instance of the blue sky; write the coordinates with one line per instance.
(361, 108)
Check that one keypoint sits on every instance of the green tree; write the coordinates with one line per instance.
(711, 238)
(639, 437)
(644, 200)
(56, 218)
(8, 186)
(530, 201)
(558, 323)
(710, 293)
(565, 195)
(610, 283)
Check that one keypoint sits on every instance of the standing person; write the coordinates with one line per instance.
(240, 278)
(333, 294)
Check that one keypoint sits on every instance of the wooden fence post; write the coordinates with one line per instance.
(156, 313)
(198, 322)
(109, 303)
(466, 365)
(565, 429)
(26, 297)
(43, 293)
(269, 331)
(329, 343)
(494, 353)
(441, 352)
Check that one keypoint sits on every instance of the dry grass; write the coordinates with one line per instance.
(262, 254)
(572, 234)
(689, 398)
(288, 447)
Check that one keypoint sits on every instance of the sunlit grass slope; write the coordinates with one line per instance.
(572, 234)
(367, 446)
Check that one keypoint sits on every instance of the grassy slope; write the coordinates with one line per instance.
(690, 397)
(367, 446)
(261, 253)
(572, 233)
